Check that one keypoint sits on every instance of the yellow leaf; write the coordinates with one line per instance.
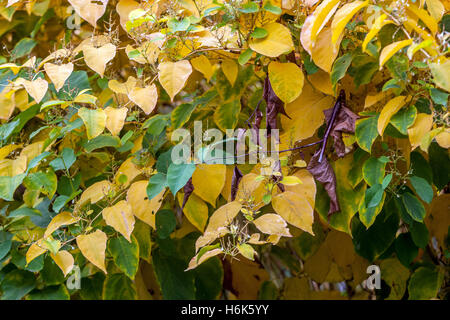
(36, 88)
(123, 8)
(246, 250)
(324, 51)
(195, 210)
(441, 74)
(173, 76)
(203, 65)
(129, 169)
(32, 150)
(7, 105)
(421, 14)
(223, 216)
(115, 119)
(443, 139)
(120, 217)
(208, 181)
(62, 219)
(143, 208)
(6, 150)
(436, 9)
(375, 98)
(35, 250)
(123, 88)
(89, 10)
(291, 180)
(322, 15)
(145, 98)
(95, 192)
(286, 80)
(417, 46)
(343, 16)
(295, 210)
(379, 23)
(271, 223)
(195, 261)
(148, 52)
(277, 41)
(419, 129)
(305, 34)
(250, 187)
(58, 74)
(97, 58)
(388, 111)
(230, 69)
(428, 138)
(93, 247)
(94, 120)
(392, 49)
(321, 81)
(64, 260)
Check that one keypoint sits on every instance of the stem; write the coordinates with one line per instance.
(336, 108)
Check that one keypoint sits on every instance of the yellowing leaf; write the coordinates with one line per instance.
(295, 210)
(128, 169)
(195, 210)
(208, 181)
(271, 223)
(35, 250)
(443, 139)
(64, 260)
(97, 58)
(36, 88)
(89, 10)
(441, 74)
(93, 247)
(173, 76)
(436, 9)
(62, 219)
(203, 65)
(343, 16)
(307, 189)
(6, 150)
(249, 186)
(145, 98)
(379, 23)
(286, 80)
(419, 129)
(120, 217)
(230, 69)
(123, 88)
(277, 41)
(58, 74)
(7, 105)
(196, 261)
(388, 111)
(124, 7)
(392, 49)
(324, 51)
(421, 14)
(305, 34)
(94, 120)
(223, 216)
(246, 250)
(321, 81)
(95, 192)
(321, 15)
(115, 119)
(291, 180)
(143, 208)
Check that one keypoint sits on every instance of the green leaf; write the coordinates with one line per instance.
(269, 7)
(440, 164)
(125, 254)
(340, 67)
(373, 171)
(210, 287)
(374, 195)
(51, 274)
(249, 7)
(396, 276)
(439, 96)
(102, 141)
(420, 167)
(165, 223)
(17, 284)
(118, 287)
(8, 185)
(92, 287)
(178, 175)
(181, 114)
(142, 233)
(43, 181)
(405, 249)
(419, 234)
(226, 115)
(156, 184)
(366, 132)
(413, 206)
(245, 56)
(423, 188)
(65, 160)
(259, 33)
(403, 119)
(5, 243)
(50, 293)
(23, 48)
(424, 284)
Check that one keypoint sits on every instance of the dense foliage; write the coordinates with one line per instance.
(93, 206)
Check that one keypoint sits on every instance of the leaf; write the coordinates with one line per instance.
(125, 253)
(246, 250)
(424, 284)
(143, 208)
(441, 74)
(271, 223)
(223, 216)
(88, 10)
(277, 42)
(423, 15)
(165, 223)
(95, 192)
(178, 175)
(343, 16)
(413, 206)
(230, 69)
(8, 185)
(64, 260)
(94, 120)
(96, 58)
(373, 171)
(391, 108)
(295, 210)
(321, 15)
(196, 211)
(325, 51)
(340, 67)
(436, 9)
(203, 65)
(145, 98)
(215, 175)
(403, 119)
(379, 23)
(63, 219)
(202, 257)
(396, 277)
(17, 284)
(35, 250)
(181, 114)
(286, 80)
(36, 88)
(58, 74)
(366, 132)
(120, 217)
(226, 115)
(392, 49)
(420, 128)
(65, 160)
(173, 76)
(119, 287)
(93, 247)
(423, 188)
(115, 119)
